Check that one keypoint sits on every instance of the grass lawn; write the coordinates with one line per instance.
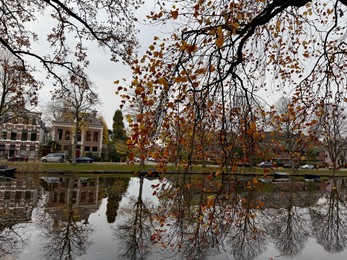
(117, 168)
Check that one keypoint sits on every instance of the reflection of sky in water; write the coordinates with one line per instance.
(105, 243)
(312, 251)
(133, 190)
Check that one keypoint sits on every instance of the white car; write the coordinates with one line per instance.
(54, 157)
(307, 166)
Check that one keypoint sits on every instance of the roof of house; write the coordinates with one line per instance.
(90, 118)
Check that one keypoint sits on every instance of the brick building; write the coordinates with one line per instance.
(22, 132)
(89, 140)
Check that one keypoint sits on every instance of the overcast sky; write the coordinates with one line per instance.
(101, 71)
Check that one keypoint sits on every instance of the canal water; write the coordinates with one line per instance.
(177, 217)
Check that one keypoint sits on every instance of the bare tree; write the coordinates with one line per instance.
(333, 131)
(52, 111)
(79, 99)
(288, 123)
(17, 87)
(108, 23)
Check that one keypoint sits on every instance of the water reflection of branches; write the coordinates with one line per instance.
(65, 233)
(203, 218)
(64, 240)
(246, 238)
(289, 226)
(12, 239)
(188, 218)
(135, 232)
(330, 220)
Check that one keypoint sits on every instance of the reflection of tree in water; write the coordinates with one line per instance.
(246, 239)
(12, 239)
(288, 227)
(329, 220)
(115, 190)
(206, 217)
(188, 216)
(135, 231)
(65, 236)
(66, 239)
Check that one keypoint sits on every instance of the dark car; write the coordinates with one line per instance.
(18, 158)
(289, 165)
(84, 160)
(150, 173)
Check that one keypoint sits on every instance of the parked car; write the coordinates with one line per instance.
(54, 157)
(265, 165)
(18, 158)
(289, 165)
(133, 160)
(84, 160)
(244, 164)
(307, 166)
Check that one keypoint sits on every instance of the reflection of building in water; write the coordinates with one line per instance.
(17, 199)
(80, 193)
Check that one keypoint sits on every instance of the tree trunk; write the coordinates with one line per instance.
(74, 145)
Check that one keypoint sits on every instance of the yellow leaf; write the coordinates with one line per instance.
(163, 81)
(235, 25)
(220, 41)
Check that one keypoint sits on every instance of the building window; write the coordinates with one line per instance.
(87, 148)
(74, 196)
(13, 136)
(95, 136)
(91, 196)
(67, 135)
(33, 137)
(23, 149)
(24, 135)
(60, 134)
(95, 149)
(83, 196)
(79, 136)
(88, 136)
(27, 195)
(26, 120)
(7, 195)
(62, 197)
(18, 196)
(4, 135)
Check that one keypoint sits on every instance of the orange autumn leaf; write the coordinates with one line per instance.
(174, 14)
(210, 201)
